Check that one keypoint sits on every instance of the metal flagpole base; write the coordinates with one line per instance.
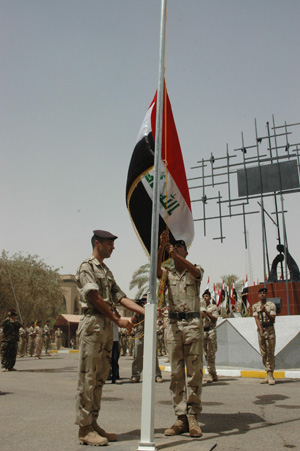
(147, 447)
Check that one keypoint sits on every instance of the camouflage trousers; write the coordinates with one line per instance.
(47, 344)
(185, 344)
(267, 343)
(160, 344)
(30, 346)
(137, 364)
(9, 349)
(38, 346)
(95, 346)
(22, 347)
(210, 348)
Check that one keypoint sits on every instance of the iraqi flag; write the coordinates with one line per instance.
(175, 211)
(245, 301)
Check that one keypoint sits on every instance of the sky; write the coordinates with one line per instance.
(77, 78)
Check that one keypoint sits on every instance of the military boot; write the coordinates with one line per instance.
(209, 378)
(109, 435)
(87, 436)
(271, 380)
(215, 377)
(264, 381)
(179, 427)
(195, 430)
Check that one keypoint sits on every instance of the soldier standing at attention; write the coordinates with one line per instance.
(264, 313)
(138, 362)
(22, 340)
(9, 341)
(209, 318)
(99, 296)
(185, 335)
(47, 337)
(38, 334)
(31, 340)
(58, 335)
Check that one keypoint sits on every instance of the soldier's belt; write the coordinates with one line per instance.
(183, 315)
(267, 324)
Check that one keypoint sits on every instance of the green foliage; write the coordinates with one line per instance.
(140, 280)
(238, 283)
(35, 285)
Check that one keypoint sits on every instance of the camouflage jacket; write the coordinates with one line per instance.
(10, 330)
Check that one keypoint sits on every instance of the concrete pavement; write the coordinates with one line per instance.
(37, 410)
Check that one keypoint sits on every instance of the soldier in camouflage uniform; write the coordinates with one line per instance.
(185, 335)
(9, 342)
(209, 318)
(47, 337)
(130, 343)
(38, 339)
(123, 341)
(31, 339)
(264, 313)
(160, 338)
(22, 340)
(138, 362)
(99, 295)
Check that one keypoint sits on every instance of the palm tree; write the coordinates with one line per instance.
(140, 280)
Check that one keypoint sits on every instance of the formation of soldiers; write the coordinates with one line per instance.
(22, 340)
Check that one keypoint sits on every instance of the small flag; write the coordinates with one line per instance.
(245, 302)
(207, 285)
(213, 296)
(234, 293)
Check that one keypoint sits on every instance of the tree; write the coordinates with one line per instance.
(140, 280)
(35, 285)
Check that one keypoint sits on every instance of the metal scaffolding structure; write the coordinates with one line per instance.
(230, 185)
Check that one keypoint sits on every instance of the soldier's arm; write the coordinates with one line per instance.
(259, 328)
(164, 239)
(100, 305)
(131, 305)
(269, 315)
(190, 267)
(211, 317)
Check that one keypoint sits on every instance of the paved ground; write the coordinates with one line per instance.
(37, 411)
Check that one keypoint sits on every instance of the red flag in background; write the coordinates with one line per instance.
(175, 206)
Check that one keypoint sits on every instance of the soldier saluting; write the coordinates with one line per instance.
(9, 342)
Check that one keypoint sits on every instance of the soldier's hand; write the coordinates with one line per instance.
(164, 238)
(171, 250)
(125, 323)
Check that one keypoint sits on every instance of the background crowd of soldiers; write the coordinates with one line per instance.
(126, 339)
(31, 338)
(34, 337)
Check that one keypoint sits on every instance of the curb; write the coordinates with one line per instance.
(64, 351)
(231, 372)
(260, 374)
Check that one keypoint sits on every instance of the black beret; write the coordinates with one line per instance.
(12, 312)
(103, 234)
(263, 290)
(206, 292)
(180, 242)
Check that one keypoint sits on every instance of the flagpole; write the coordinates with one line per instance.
(149, 359)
